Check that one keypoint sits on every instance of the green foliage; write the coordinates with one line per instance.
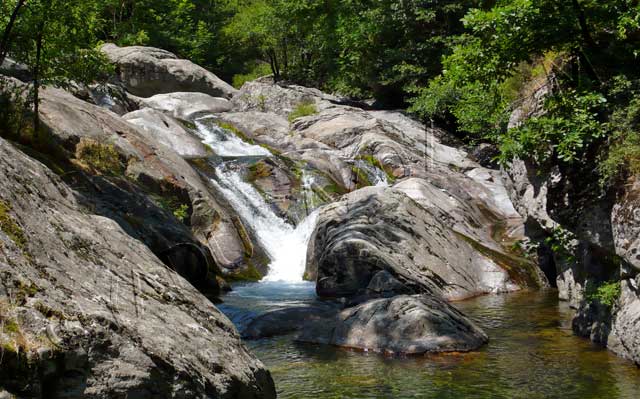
(260, 69)
(570, 125)
(182, 212)
(571, 47)
(302, 110)
(624, 153)
(606, 293)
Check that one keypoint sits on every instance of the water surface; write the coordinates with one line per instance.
(532, 354)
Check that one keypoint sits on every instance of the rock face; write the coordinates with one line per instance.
(168, 131)
(93, 313)
(376, 228)
(409, 325)
(159, 173)
(147, 71)
(624, 339)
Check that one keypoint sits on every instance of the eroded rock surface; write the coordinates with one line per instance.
(379, 228)
(94, 314)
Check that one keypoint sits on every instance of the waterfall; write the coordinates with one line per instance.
(285, 245)
(225, 143)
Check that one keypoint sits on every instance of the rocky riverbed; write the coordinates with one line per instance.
(147, 198)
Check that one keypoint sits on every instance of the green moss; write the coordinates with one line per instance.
(258, 170)
(9, 226)
(373, 161)
(11, 327)
(99, 157)
(361, 177)
(520, 270)
(250, 273)
(606, 293)
(235, 130)
(174, 205)
(301, 110)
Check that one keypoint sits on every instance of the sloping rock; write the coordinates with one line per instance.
(185, 105)
(168, 131)
(263, 95)
(94, 314)
(625, 222)
(147, 71)
(377, 228)
(157, 169)
(408, 325)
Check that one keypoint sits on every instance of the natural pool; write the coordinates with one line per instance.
(532, 354)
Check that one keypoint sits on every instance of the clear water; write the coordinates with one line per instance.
(532, 354)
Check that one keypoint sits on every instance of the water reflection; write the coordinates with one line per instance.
(532, 354)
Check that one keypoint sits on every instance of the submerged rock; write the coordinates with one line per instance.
(94, 314)
(408, 325)
(147, 71)
(287, 320)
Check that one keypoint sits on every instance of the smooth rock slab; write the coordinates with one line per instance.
(409, 325)
(147, 71)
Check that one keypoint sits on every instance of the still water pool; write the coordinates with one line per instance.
(532, 354)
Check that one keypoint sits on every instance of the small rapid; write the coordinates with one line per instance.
(285, 244)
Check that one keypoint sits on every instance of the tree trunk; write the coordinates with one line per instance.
(36, 81)
(584, 27)
(4, 44)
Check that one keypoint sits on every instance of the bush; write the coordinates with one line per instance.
(99, 157)
(606, 293)
(257, 71)
(303, 109)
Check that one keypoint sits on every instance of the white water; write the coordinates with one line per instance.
(225, 143)
(286, 246)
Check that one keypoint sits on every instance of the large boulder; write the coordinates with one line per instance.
(147, 71)
(377, 228)
(90, 312)
(186, 106)
(407, 325)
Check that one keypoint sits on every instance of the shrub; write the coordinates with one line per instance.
(303, 109)
(99, 157)
(606, 293)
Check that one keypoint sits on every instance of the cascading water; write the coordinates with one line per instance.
(224, 143)
(285, 245)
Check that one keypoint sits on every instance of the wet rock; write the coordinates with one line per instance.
(186, 106)
(287, 320)
(168, 131)
(625, 222)
(383, 284)
(147, 71)
(377, 228)
(409, 325)
(93, 311)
